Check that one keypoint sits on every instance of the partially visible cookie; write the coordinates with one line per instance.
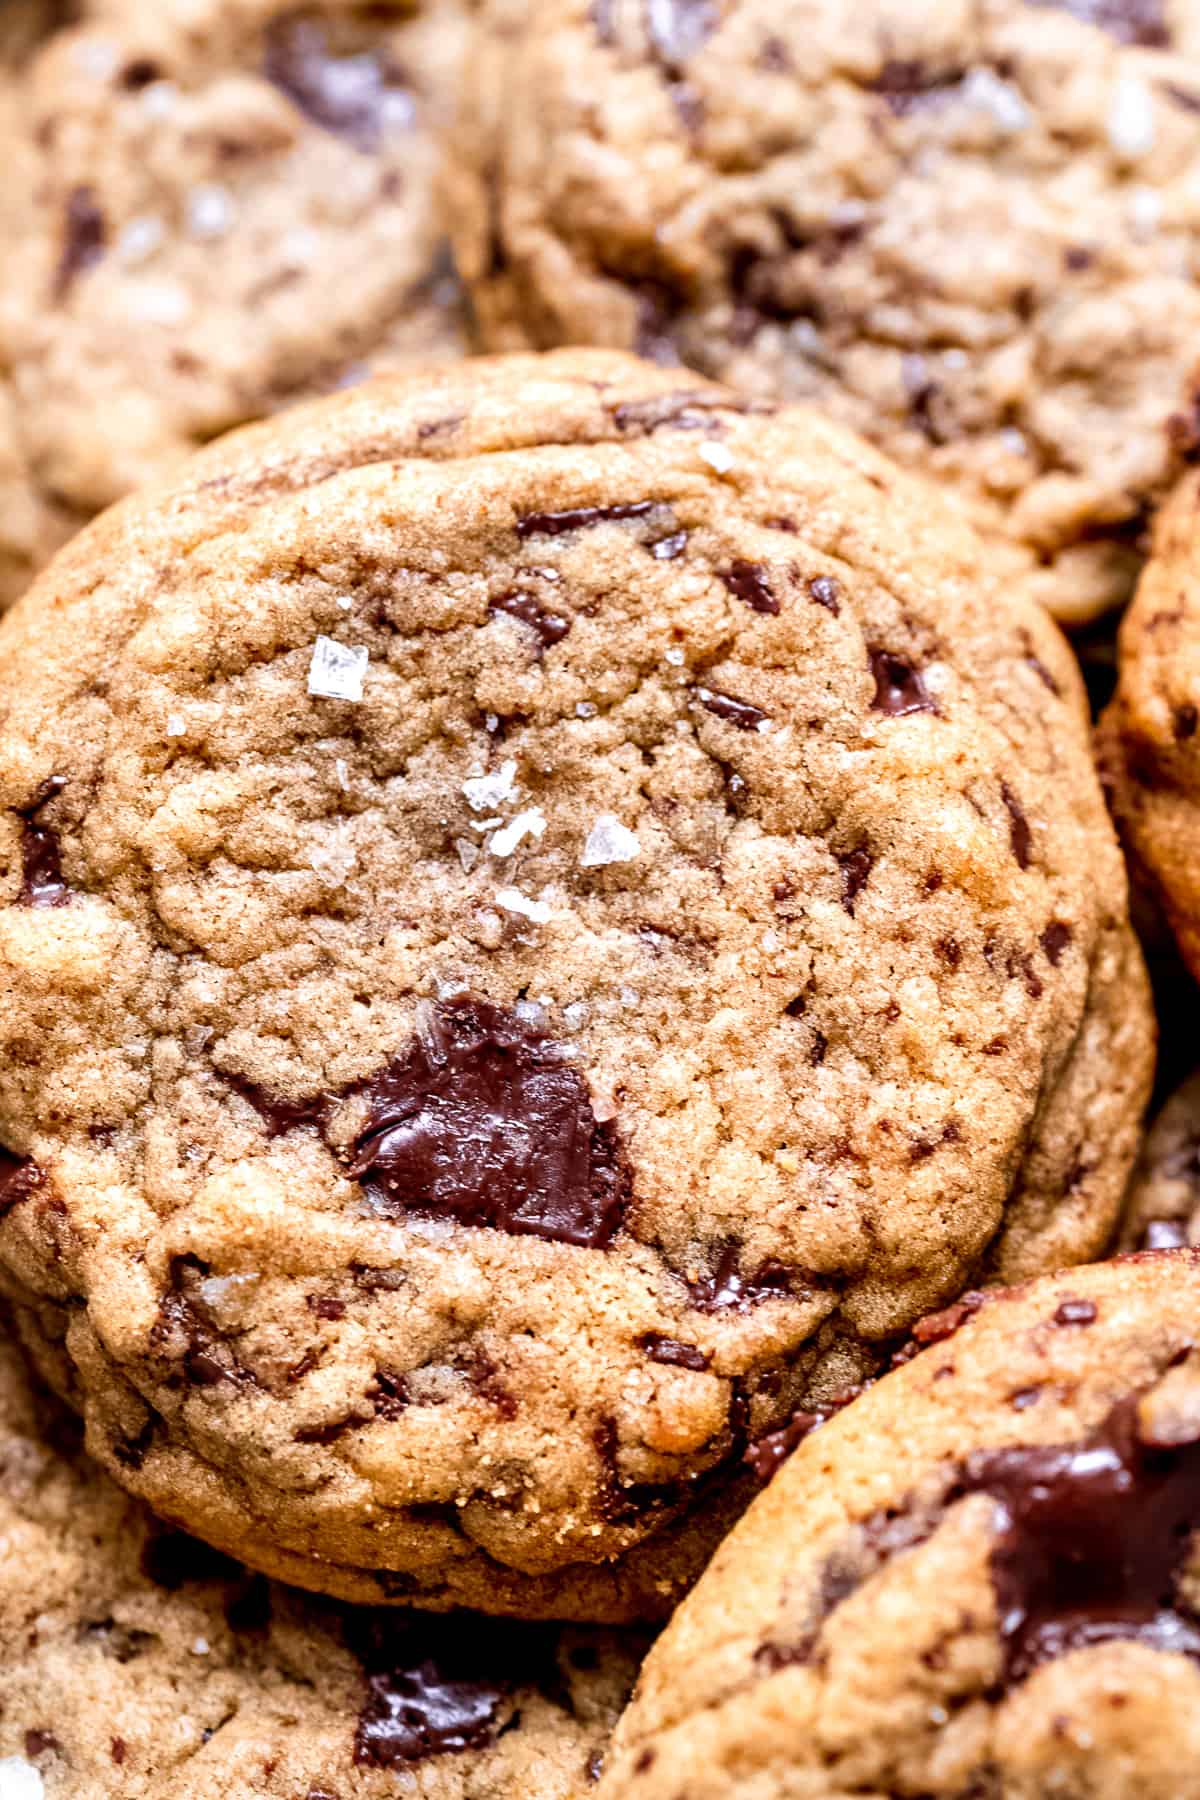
(982, 1578)
(1150, 733)
(135, 1664)
(1164, 1197)
(968, 230)
(224, 205)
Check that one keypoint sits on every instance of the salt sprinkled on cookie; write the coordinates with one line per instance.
(336, 671)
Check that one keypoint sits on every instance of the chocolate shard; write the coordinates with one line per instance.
(482, 1119)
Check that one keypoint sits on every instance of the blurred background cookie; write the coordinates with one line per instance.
(212, 208)
(969, 230)
(1164, 1196)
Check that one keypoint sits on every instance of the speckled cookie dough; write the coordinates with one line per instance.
(1150, 741)
(1164, 1197)
(136, 1664)
(545, 917)
(225, 205)
(980, 1579)
(969, 230)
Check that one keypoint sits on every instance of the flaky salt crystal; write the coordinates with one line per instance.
(176, 725)
(608, 842)
(526, 824)
(487, 791)
(1131, 123)
(514, 901)
(718, 456)
(19, 1780)
(336, 671)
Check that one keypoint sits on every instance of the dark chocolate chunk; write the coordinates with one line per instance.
(1128, 21)
(899, 687)
(735, 712)
(747, 581)
(670, 1351)
(1184, 720)
(42, 877)
(438, 1684)
(1019, 833)
(1091, 1540)
(595, 1764)
(39, 1740)
(326, 1306)
(549, 627)
(856, 866)
(482, 1120)
(1055, 939)
(576, 518)
(910, 86)
(20, 1176)
(936, 1327)
(357, 97)
(184, 1333)
(728, 1288)
(825, 591)
(1075, 1312)
(84, 238)
(768, 1454)
(277, 1112)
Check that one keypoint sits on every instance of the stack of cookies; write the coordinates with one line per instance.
(572, 1046)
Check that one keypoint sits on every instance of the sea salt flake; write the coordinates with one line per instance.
(575, 1015)
(468, 854)
(19, 1780)
(514, 901)
(718, 456)
(629, 996)
(345, 602)
(985, 89)
(531, 1012)
(487, 791)
(159, 99)
(336, 671)
(200, 1646)
(139, 239)
(608, 842)
(530, 823)
(176, 725)
(209, 210)
(584, 709)
(342, 771)
(1131, 123)
(158, 302)
(675, 658)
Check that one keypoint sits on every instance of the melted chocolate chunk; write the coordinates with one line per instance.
(549, 627)
(735, 712)
(1019, 833)
(20, 1176)
(899, 687)
(908, 87)
(1184, 721)
(42, 883)
(768, 1454)
(670, 1351)
(483, 1121)
(1092, 1538)
(184, 1333)
(555, 524)
(1055, 939)
(357, 97)
(728, 1289)
(84, 238)
(1128, 21)
(825, 591)
(437, 1684)
(747, 581)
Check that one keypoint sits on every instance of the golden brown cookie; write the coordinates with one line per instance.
(547, 915)
(967, 230)
(215, 207)
(981, 1578)
(136, 1664)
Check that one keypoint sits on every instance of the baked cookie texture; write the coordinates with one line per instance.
(967, 230)
(1163, 1210)
(981, 1578)
(136, 1663)
(1149, 736)
(222, 206)
(548, 915)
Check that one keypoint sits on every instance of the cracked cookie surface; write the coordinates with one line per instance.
(547, 916)
(135, 1662)
(981, 1578)
(968, 230)
(190, 184)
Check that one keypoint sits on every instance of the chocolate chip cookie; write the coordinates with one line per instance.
(222, 205)
(547, 915)
(1164, 1197)
(967, 230)
(135, 1662)
(1150, 734)
(981, 1578)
